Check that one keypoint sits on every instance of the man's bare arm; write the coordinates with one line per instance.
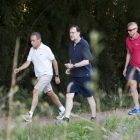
(24, 66)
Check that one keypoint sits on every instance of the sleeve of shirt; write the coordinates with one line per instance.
(69, 49)
(86, 53)
(29, 58)
(127, 45)
(50, 54)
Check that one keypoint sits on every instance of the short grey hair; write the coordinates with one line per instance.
(132, 23)
(38, 36)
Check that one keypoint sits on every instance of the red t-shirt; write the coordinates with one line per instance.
(134, 48)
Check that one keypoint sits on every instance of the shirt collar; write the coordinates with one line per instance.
(79, 41)
(137, 35)
(41, 45)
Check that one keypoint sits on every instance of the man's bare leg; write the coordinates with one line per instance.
(69, 104)
(54, 98)
(134, 92)
(92, 106)
(28, 117)
(57, 102)
(35, 99)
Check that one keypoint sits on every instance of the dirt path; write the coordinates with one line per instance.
(50, 120)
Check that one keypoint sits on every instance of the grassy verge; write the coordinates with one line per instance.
(115, 127)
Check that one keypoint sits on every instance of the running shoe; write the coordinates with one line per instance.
(61, 115)
(27, 118)
(64, 120)
(134, 111)
(92, 119)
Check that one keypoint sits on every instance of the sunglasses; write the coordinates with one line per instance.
(131, 29)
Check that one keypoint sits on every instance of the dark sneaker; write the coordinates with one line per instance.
(92, 119)
(27, 118)
(135, 111)
(61, 115)
(64, 120)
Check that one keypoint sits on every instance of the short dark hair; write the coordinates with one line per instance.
(38, 36)
(77, 28)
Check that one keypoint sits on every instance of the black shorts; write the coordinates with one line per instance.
(136, 75)
(80, 85)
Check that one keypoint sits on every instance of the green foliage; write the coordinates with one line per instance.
(53, 19)
(115, 126)
(110, 102)
(23, 98)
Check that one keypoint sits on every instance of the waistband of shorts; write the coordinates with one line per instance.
(43, 75)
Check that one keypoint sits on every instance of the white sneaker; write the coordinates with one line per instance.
(61, 115)
(27, 118)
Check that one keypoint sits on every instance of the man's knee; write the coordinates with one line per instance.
(90, 98)
(51, 93)
(133, 85)
(35, 92)
(69, 95)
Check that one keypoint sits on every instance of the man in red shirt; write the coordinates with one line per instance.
(133, 59)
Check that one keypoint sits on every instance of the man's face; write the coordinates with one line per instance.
(132, 30)
(35, 43)
(74, 35)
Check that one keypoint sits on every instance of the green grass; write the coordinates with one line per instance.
(113, 128)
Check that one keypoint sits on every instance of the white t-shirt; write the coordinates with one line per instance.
(42, 60)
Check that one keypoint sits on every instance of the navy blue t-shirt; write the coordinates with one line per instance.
(78, 53)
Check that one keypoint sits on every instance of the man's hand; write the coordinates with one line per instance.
(57, 80)
(124, 72)
(25, 65)
(69, 66)
(67, 71)
(16, 70)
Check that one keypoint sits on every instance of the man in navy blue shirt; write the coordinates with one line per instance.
(80, 70)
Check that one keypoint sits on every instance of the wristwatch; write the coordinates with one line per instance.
(73, 65)
(56, 75)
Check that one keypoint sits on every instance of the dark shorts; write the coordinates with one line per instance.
(135, 76)
(80, 85)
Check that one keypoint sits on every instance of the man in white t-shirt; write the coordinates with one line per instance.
(42, 58)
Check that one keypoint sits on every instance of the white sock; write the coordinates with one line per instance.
(62, 108)
(137, 107)
(31, 113)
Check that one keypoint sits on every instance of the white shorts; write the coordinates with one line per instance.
(44, 83)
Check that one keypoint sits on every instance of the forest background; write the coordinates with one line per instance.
(52, 18)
